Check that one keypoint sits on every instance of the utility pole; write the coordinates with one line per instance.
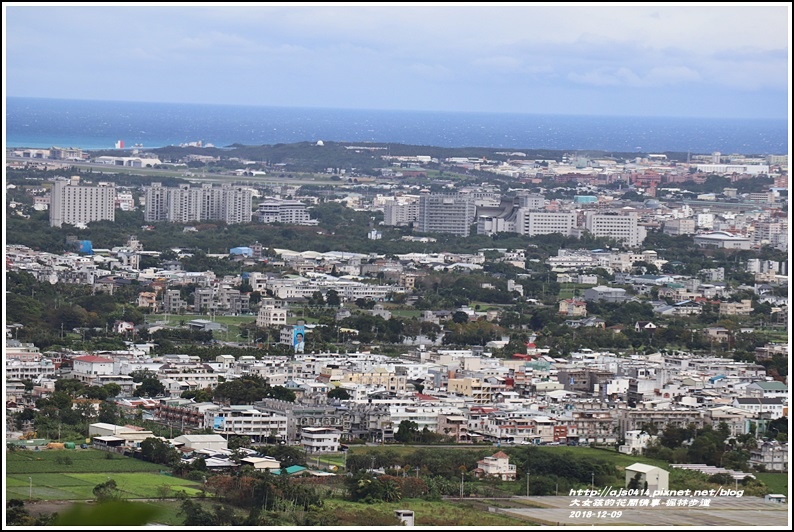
(527, 482)
(592, 479)
(30, 490)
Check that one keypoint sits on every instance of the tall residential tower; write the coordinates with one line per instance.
(71, 203)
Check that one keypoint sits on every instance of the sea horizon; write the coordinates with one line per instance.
(98, 124)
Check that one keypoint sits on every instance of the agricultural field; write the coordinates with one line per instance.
(777, 482)
(79, 486)
(73, 474)
(73, 461)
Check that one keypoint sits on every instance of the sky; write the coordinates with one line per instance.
(651, 59)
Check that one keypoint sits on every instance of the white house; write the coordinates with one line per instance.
(87, 368)
(757, 405)
(496, 465)
(767, 389)
(320, 439)
(636, 440)
(247, 421)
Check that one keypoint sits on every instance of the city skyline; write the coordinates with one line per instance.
(639, 60)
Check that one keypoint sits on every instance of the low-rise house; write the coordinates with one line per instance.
(774, 406)
(245, 420)
(735, 418)
(87, 368)
(586, 322)
(770, 456)
(635, 442)
(717, 333)
(454, 426)
(497, 465)
(573, 307)
(742, 308)
(320, 439)
(606, 294)
(767, 389)
(647, 326)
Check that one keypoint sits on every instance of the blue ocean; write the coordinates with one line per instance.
(90, 125)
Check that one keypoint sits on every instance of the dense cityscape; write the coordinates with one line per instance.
(238, 318)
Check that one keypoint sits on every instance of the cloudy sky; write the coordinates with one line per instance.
(645, 60)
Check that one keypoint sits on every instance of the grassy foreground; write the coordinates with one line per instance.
(426, 513)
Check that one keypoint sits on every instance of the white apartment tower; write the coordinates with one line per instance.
(442, 213)
(533, 223)
(71, 203)
(401, 211)
(765, 232)
(185, 204)
(533, 202)
(620, 226)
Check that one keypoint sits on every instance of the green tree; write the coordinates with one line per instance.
(460, 317)
(195, 514)
(203, 395)
(235, 442)
(407, 431)
(107, 491)
(338, 393)
(112, 389)
(332, 298)
(150, 385)
(109, 413)
(157, 451)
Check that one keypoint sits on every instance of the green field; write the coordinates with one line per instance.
(73, 474)
(619, 459)
(426, 513)
(79, 486)
(777, 482)
(73, 461)
(231, 323)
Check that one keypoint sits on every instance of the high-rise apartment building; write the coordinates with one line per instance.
(185, 204)
(71, 203)
(620, 226)
(533, 202)
(533, 223)
(442, 213)
(765, 232)
(401, 211)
